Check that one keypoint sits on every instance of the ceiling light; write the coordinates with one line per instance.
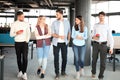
(33, 5)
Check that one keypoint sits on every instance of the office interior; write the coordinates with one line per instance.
(32, 9)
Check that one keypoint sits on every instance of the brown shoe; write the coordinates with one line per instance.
(63, 74)
(93, 76)
(57, 77)
(100, 78)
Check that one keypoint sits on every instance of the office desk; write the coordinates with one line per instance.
(114, 52)
(2, 67)
(116, 47)
(4, 45)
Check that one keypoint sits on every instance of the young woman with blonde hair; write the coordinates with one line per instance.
(42, 34)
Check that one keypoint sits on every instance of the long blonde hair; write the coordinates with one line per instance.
(38, 23)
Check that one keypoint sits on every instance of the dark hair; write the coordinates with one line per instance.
(40, 16)
(113, 31)
(19, 13)
(102, 13)
(59, 10)
(81, 24)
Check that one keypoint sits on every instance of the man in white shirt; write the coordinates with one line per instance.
(101, 35)
(20, 30)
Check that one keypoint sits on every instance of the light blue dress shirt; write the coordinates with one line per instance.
(55, 30)
(75, 33)
(105, 33)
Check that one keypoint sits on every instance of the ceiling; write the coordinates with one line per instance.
(28, 4)
(7, 4)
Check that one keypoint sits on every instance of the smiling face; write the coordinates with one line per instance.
(58, 15)
(101, 17)
(41, 19)
(77, 21)
(21, 17)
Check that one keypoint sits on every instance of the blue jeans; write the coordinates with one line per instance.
(42, 54)
(79, 54)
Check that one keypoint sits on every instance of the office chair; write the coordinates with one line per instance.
(111, 57)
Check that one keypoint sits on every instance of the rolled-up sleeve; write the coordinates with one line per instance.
(93, 31)
(69, 30)
(52, 28)
(73, 33)
(85, 33)
(110, 38)
(28, 33)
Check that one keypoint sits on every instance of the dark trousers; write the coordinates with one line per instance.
(22, 55)
(56, 50)
(102, 49)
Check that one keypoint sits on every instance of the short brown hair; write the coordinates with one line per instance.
(59, 10)
(19, 13)
(102, 13)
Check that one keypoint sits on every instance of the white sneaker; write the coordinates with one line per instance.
(77, 75)
(82, 73)
(24, 76)
(20, 74)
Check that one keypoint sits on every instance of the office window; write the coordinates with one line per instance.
(108, 7)
(114, 23)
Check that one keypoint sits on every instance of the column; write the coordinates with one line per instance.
(83, 7)
(15, 16)
(72, 20)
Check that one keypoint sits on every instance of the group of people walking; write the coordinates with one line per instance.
(61, 33)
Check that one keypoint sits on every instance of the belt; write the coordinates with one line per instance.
(100, 42)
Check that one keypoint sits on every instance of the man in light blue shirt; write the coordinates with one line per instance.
(61, 37)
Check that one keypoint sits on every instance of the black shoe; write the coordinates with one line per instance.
(42, 75)
(38, 71)
(57, 77)
(63, 74)
(100, 78)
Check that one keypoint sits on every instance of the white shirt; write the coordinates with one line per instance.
(61, 32)
(42, 36)
(42, 29)
(105, 33)
(18, 25)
